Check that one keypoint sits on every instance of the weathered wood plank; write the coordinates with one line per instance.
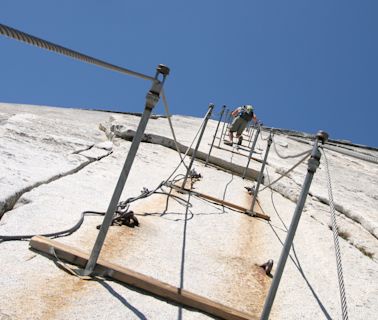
(258, 212)
(138, 280)
(201, 156)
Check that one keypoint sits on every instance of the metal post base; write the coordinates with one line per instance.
(152, 99)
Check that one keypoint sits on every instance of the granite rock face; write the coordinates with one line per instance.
(57, 162)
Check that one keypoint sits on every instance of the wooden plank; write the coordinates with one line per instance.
(138, 280)
(259, 213)
(200, 156)
(241, 154)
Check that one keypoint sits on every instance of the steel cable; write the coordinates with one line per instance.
(289, 156)
(352, 153)
(69, 231)
(166, 107)
(188, 149)
(58, 234)
(288, 171)
(335, 232)
(262, 137)
(24, 37)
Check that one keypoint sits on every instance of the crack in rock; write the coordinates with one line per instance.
(9, 203)
(338, 207)
(128, 134)
(82, 150)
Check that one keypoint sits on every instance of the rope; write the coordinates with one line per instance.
(289, 156)
(29, 39)
(337, 247)
(288, 171)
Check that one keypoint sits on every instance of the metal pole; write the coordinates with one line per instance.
(207, 117)
(224, 123)
(151, 100)
(251, 151)
(215, 134)
(313, 164)
(228, 123)
(251, 135)
(261, 174)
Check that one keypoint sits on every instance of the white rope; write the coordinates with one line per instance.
(344, 308)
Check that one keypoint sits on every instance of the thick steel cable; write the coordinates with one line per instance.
(335, 232)
(289, 156)
(351, 153)
(29, 39)
(288, 171)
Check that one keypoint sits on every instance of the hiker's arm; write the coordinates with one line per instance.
(235, 112)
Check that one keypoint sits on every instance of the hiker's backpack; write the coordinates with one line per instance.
(245, 114)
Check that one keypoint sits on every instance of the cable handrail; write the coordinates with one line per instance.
(288, 171)
(38, 42)
(335, 232)
(166, 107)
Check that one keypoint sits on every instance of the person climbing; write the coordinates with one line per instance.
(242, 116)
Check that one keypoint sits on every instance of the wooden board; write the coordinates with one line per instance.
(138, 280)
(258, 211)
(241, 154)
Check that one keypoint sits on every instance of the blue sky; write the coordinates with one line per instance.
(304, 65)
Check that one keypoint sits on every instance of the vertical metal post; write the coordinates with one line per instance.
(151, 100)
(215, 134)
(224, 123)
(252, 150)
(228, 124)
(261, 174)
(207, 117)
(251, 135)
(313, 164)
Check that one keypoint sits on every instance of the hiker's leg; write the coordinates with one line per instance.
(231, 136)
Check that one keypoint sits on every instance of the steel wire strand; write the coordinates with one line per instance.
(187, 150)
(166, 107)
(289, 156)
(335, 233)
(288, 171)
(58, 234)
(351, 153)
(122, 203)
(262, 137)
(294, 259)
(38, 42)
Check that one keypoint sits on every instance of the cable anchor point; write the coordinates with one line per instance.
(152, 97)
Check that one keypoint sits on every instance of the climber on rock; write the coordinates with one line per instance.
(242, 116)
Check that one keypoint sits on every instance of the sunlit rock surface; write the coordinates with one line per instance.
(57, 163)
